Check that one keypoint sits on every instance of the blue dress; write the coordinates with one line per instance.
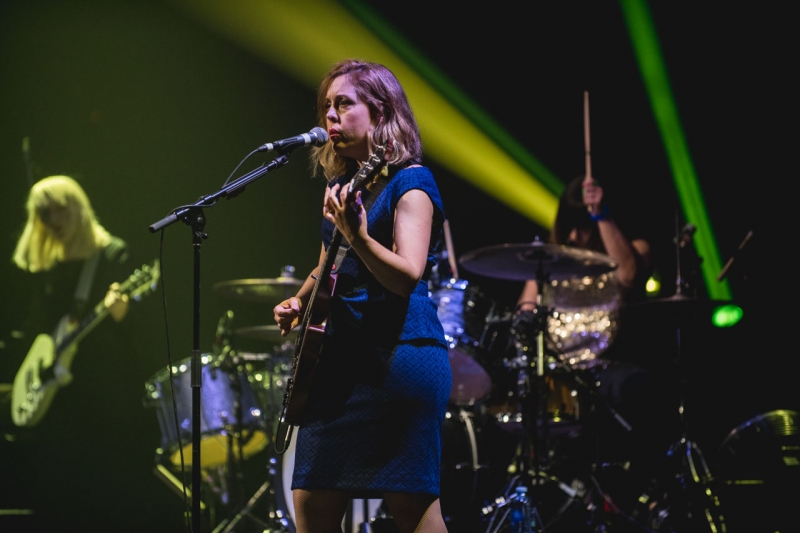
(374, 418)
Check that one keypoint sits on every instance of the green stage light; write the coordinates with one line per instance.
(653, 286)
(726, 316)
(654, 73)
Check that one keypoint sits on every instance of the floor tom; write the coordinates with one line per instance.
(220, 392)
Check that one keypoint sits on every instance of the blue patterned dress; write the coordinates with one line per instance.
(373, 422)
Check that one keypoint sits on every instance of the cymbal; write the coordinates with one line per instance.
(269, 333)
(264, 290)
(520, 261)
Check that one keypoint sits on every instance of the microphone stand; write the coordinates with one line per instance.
(192, 215)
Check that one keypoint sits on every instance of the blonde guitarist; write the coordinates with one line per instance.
(63, 246)
(84, 448)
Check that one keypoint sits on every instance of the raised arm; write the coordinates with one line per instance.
(631, 256)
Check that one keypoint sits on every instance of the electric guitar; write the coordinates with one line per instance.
(312, 329)
(46, 368)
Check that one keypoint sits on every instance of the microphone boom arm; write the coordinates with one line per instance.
(228, 191)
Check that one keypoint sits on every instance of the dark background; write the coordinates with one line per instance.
(149, 110)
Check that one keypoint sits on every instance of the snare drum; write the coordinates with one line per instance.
(218, 394)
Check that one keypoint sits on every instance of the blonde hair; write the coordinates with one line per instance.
(390, 111)
(37, 248)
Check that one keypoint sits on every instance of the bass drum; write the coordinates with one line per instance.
(460, 471)
(218, 400)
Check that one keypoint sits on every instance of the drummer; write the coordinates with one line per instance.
(585, 220)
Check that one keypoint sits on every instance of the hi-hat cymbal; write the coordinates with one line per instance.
(265, 290)
(269, 333)
(521, 261)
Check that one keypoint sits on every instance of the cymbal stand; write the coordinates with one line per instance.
(232, 362)
(277, 523)
(695, 500)
(531, 389)
(684, 445)
(229, 364)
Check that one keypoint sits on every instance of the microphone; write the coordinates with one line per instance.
(316, 137)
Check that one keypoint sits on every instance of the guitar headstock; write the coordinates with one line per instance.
(372, 166)
(142, 281)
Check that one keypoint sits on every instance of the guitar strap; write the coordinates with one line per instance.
(87, 277)
(62, 373)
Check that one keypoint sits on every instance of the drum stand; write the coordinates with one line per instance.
(696, 503)
(521, 493)
(277, 523)
(685, 499)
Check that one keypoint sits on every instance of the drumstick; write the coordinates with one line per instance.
(586, 134)
(451, 256)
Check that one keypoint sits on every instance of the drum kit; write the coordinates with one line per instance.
(533, 387)
(533, 375)
(522, 392)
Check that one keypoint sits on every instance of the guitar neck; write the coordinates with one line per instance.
(88, 323)
(139, 283)
(324, 274)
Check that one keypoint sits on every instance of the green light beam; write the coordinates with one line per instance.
(654, 73)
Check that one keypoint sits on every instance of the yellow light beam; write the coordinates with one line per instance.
(305, 37)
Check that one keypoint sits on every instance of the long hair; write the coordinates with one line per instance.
(379, 89)
(572, 214)
(37, 248)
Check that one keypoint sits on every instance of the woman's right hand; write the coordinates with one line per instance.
(287, 314)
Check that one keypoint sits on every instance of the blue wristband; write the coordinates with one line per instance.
(602, 215)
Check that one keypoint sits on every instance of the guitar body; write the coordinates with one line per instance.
(36, 383)
(306, 357)
(33, 392)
